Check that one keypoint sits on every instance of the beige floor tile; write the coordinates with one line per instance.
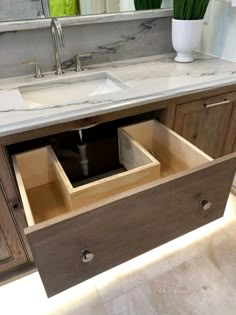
(139, 301)
(198, 246)
(223, 257)
(230, 229)
(230, 211)
(193, 288)
(123, 278)
(131, 274)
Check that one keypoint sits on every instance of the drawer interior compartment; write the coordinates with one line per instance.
(174, 153)
(47, 192)
(38, 182)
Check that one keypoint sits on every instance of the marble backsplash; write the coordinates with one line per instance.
(105, 41)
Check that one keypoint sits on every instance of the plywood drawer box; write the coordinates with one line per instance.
(74, 245)
(47, 191)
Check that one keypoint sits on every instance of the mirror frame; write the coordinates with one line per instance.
(21, 25)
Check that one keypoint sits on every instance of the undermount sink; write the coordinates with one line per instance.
(66, 91)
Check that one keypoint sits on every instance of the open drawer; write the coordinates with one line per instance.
(47, 192)
(141, 213)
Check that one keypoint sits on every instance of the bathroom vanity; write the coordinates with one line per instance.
(161, 164)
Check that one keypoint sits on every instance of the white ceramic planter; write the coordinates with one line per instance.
(186, 37)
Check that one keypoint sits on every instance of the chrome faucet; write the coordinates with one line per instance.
(78, 64)
(56, 29)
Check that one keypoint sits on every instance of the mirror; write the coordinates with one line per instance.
(12, 10)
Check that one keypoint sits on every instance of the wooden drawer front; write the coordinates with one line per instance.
(129, 222)
(129, 226)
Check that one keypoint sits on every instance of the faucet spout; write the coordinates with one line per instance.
(57, 32)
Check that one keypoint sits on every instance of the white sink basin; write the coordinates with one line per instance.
(70, 90)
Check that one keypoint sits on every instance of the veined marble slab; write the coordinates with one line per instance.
(105, 42)
(86, 19)
(149, 79)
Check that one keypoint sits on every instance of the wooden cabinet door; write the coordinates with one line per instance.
(205, 123)
(230, 144)
(12, 253)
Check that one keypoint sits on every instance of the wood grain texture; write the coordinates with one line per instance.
(142, 133)
(170, 115)
(131, 153)
(24, 198)
(12, 198)
(35, 167)
(10, 239)
(129, 225)
(46, 191)
(114, 185)
(205, 128)
(64, 187)
(46, 201)
(39, 173)
(230, 144)
(43, 191)
(5, 253)
(170, 148)
(141, 168)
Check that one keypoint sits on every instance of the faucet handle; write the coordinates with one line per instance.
(38, 70)
(78, 58)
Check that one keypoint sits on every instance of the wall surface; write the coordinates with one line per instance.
(105, 41)
(11, 10)
(219, 36)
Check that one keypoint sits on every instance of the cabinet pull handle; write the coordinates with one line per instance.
(206, 205)
(224, 101)
(87, 256)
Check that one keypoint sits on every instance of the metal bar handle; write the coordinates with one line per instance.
(224, 101)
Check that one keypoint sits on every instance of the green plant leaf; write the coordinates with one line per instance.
(147, 4)
(190, 9)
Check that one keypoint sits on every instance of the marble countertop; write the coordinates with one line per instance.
(149, 80)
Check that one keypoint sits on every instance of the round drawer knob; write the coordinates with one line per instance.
(206, 205)
(87, 256)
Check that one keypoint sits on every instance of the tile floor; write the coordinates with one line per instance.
(195, 274)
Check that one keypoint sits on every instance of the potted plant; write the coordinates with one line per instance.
(187, 27)
(147, 4)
